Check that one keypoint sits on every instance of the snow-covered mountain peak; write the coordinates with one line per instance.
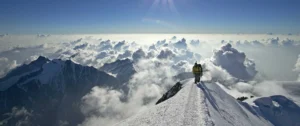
(50, 86)
(45, 71)
(40, 60)
(207, 104)
(41, 69)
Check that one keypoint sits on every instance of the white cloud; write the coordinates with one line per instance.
(160, 43)
(102, 102)
(42, 35)
(273, 41)
(165, 54)
(152, 47)
(277, 41)
(75, 42)
(151, 54)
(105, 45)
(139, 54)
(105, 107)
(234, 62)
(217, 73)
(181, 44)
(244, 87)
(92, 46)
(6, 65)
(297, 67)
(102, 55)
(269, 88)
(288, 42)
(255, 42)
(183, 66)
(258, 88)
(195, 42)
(174, 38)
(82, 46)
(119, 45)
(154, 76)
(282, 42)
(126, 54)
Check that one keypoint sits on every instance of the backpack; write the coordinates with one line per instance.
(197, 69)
(200, 67)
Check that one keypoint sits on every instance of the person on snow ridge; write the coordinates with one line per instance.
(197, 71)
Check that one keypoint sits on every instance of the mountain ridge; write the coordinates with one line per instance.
(207, 104)
(49, 88)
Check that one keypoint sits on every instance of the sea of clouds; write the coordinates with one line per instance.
(244, 65)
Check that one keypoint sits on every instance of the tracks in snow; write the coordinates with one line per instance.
(192, 112)
(187, 108)
(196, 111)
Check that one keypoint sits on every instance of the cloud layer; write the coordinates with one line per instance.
(158, 62)
(297, 67)
(234, 62)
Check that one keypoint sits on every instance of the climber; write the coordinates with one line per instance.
(197, 71)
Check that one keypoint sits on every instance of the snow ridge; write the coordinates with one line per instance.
(193, 114)
(205, 104)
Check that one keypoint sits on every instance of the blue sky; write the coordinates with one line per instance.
(149, 16)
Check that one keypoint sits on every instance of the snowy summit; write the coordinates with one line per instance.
(206, 104)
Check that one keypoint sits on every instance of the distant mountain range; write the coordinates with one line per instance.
(50, 91)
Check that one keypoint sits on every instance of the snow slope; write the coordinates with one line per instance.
(205, 104)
